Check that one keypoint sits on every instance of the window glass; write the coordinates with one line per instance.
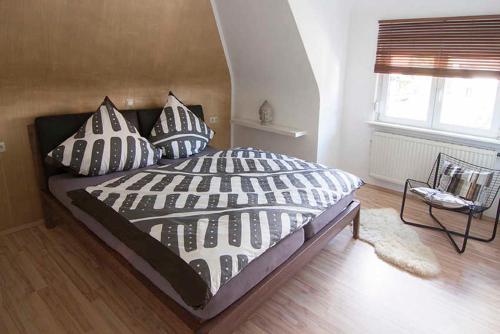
(468, 102)
(460, 105)
(408, 97)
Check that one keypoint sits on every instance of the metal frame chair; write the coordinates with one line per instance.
(471, 211)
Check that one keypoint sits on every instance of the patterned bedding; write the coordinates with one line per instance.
(201, 221)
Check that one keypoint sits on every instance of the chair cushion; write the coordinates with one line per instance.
(178, 132)
(442, 199)
(105, 143)
(466, 183)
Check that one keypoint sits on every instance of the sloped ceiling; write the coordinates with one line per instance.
(291, 53)
(268, 62)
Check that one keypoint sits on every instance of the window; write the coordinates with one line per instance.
(440, 73)
(470, 106)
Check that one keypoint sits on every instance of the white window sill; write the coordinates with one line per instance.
(450, 136)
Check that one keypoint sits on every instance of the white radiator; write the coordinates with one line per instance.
(394, 158)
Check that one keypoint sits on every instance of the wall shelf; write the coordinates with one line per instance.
(281, 130)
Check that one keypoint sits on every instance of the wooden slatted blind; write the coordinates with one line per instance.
(465, 46)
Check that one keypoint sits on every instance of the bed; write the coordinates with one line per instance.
(240, 294)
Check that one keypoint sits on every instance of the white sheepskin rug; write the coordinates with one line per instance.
(397, 243)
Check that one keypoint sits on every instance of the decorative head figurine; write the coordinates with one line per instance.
(266, 113)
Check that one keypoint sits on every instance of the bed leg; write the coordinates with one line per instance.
(49, 222)
(355, 225)
(51, 214)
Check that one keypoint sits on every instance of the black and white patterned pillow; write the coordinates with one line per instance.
(467, 183)
(178, 132)
(106, 143)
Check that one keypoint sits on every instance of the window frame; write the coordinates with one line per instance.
(433, 110)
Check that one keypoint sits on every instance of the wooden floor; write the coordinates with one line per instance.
(63, 280)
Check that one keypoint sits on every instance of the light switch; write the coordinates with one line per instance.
(213, 119)
(130, 102)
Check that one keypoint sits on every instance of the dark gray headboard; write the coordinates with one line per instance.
(53, 130)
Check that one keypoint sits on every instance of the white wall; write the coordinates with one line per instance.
(268, 61)
(323, 26)
(360, 79)
(313, 60)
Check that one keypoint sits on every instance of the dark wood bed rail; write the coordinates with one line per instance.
(228, 320)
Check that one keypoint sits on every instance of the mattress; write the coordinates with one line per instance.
(326, 217)
(201, 221)
(236, 287)
(250, 276)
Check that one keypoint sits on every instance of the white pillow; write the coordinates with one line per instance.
(106, 143)
(178, 132)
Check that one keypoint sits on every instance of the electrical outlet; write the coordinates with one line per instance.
(213, 119)
(130, 102)
(2, 147)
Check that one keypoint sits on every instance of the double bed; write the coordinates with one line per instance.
(206, 304)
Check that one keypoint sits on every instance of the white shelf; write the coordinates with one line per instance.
(281, 130)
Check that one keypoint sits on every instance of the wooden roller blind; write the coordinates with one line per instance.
(465, 46)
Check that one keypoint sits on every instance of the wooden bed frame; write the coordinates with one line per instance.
(228, 320)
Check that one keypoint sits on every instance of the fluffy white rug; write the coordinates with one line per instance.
(397, 243)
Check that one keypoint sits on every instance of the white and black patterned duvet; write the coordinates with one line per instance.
(220, 211)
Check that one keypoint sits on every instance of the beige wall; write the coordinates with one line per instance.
(60, 56)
